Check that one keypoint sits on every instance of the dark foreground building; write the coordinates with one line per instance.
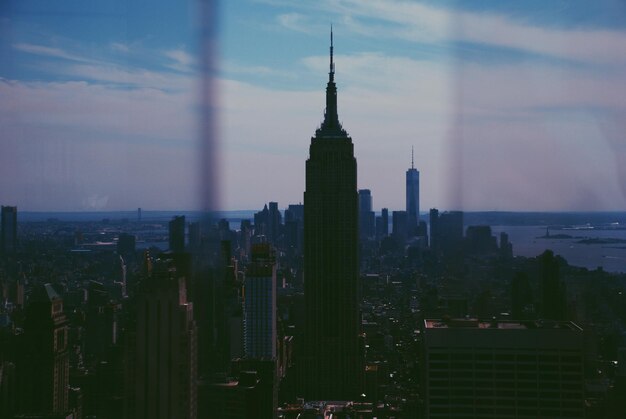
(502, 369)
(8, 230)
(332, 363)
(43, 357)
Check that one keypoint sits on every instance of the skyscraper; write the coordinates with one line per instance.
(382, 224)
(259, 308)
(553, 290)
(259, 325)
(43, 366)
(165, 363)
(367, 218)
(177, 234)
(331, 259)
(412, 198)
(8, 230)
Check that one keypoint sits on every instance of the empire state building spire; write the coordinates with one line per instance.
(331, 75)
(331, 127)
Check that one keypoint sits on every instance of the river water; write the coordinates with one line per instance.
(610, 256)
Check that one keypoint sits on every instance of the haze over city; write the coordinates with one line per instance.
(509, 106)
(274, 209)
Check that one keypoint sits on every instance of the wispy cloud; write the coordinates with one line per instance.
(425, 23)
(47, 51)
(180, 59)
(120, 47)
(104, 69)
(294, 21)
(229, 67)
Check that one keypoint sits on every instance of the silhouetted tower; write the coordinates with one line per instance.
(331, 260)
(367, 218)
(8, 230)
(553, 304)
(177, 234)
(412, 198)
(435, 244)
(165, 353)
(399, 226)
(274, 222)
(382, 227)
(43, 366)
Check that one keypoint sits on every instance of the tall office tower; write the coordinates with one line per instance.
(165, 348)
(384, 214)
(260, 337)
(553, 290)
(43, 364)
(294, 216)
(195, 236)
(365, 200)
(502, 369)
(331, 260)
(275, 220)
(367, 218)
(177, 233)
(8, 230)
(259, 308)
(446, 233)
(412, 198)
(399, 226)
(434, 230)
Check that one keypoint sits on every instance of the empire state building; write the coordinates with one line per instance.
(332, 364)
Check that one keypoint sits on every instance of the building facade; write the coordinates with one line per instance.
(259, 311)
(43, 363)
(502, 369)
(165, 361)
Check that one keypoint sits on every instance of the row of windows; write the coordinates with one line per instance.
(505, 412)
(508, 392)
(505, 357)
(491, 392)
(541, 376)
(503, 387)
(499, 366)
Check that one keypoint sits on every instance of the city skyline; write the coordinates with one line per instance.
(509, 106)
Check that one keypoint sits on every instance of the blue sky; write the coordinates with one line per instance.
(510, 105)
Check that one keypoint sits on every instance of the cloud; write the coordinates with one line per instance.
(47, 51)
(120, 47)
(529, 135)
(424, 23)
(106, 70)
(230, 67)
(182, 60)
(510, 137)
(295, 22)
